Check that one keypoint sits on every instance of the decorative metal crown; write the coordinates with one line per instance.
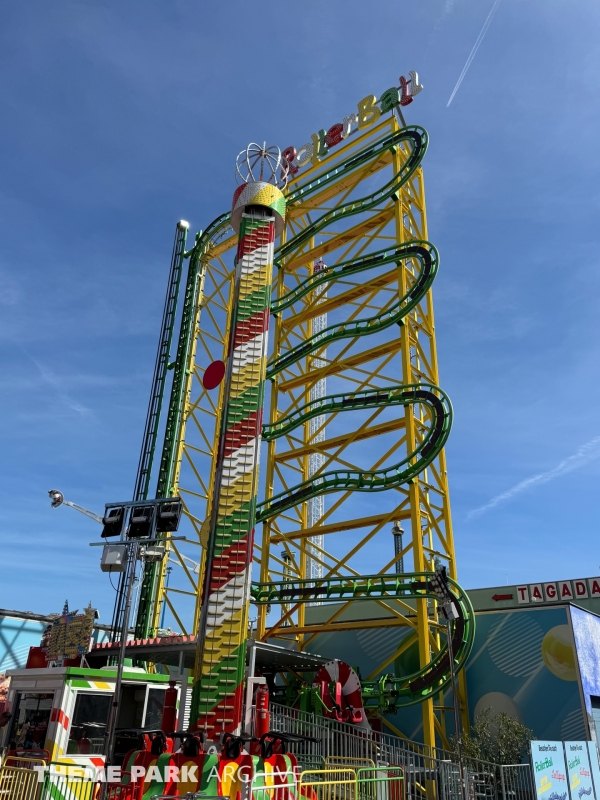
(264, 164)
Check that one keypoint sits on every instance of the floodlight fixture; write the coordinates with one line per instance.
(113, 520)
(439, 584)
(140, 523)
(168, 516)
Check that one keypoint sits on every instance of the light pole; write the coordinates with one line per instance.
(447, 606)
(58, 499)
(111, 728)
(137, 541)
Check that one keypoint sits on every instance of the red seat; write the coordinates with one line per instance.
(135, 781)
(195, 774)
(197, 771)
(281, 771)
(236, 768)
(282, 766)
(236, 773)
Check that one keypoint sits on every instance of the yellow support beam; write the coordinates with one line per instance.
(409, 354)
(357, 527)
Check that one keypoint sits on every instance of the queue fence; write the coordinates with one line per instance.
(18, 783)
(429, 775)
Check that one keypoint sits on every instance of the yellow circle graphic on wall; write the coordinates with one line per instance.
(558, 652)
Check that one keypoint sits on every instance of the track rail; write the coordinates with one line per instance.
(388, 690)
(424, 252)
(440, 415)
(437, 417)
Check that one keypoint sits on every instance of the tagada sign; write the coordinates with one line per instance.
(368, 111)
(549, 770)
(558, 591)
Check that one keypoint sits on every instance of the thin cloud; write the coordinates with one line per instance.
(586, 453)
(473, 52)
(446, 11)
(56, 384)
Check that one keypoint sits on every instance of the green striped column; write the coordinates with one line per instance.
(258, 211)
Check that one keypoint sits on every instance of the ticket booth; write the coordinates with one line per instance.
(65, 710)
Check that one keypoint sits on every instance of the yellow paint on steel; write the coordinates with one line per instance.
(347, 525)
(18, 783)
(328, 784)
(340, 153)
(350, 783)
(339, 365)
(338, 441)
(408, 354)
(408, 357)
(349, 235)
(348, 761)
(341, 186)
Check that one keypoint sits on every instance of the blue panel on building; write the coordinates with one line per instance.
(17, 635)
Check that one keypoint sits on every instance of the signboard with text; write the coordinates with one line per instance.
(549, 770)
(583, 592)
(558, 591)
(595, 766)
(581, 784)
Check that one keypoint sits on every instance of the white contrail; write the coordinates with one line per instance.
(586, 453)
(486, 25)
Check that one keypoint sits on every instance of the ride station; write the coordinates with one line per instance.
(291, 505)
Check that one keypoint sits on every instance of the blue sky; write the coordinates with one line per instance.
(120, 118)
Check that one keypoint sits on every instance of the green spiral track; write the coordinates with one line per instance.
(416, 687)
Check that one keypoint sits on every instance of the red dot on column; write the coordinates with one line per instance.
(213, 375)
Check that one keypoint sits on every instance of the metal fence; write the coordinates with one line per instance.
(67, 782)
(189, 796)
(517, 783)
(18, 783)
(40, 781)
(362, 783)
(342, 740)
(345, 763)
(427, 775)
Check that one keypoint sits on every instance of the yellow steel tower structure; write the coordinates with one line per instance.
(357, 542)
(352, 534)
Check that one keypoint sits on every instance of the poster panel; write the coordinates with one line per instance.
(578, 764)
(593, 755)
(549, 770)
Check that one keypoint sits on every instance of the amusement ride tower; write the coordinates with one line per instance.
(353, 348)
(257, 217)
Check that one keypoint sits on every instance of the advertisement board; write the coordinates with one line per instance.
(581, 784)
(593, 755)
(549, 770)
